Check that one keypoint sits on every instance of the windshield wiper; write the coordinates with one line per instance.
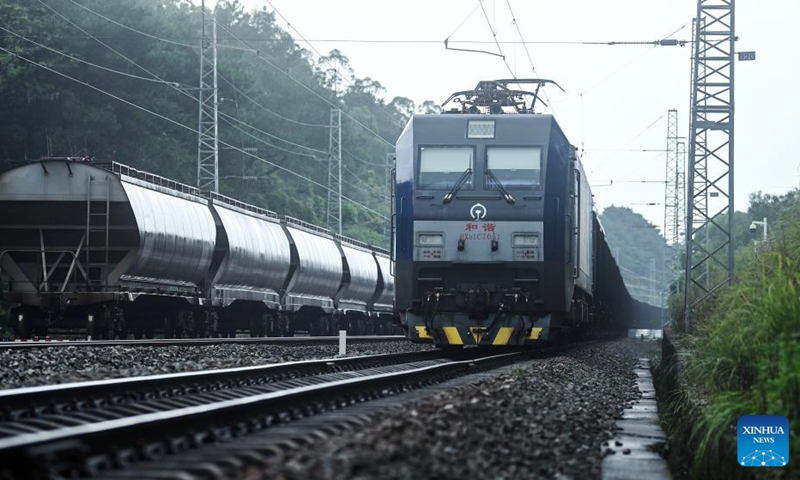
(448, 197)
(507, 196)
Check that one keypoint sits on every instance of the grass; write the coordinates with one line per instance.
(745, 353)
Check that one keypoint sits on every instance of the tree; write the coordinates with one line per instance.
(275, 102)
(639, 250)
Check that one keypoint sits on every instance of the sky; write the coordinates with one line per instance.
(616, 98)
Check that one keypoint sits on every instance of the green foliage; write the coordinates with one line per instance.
(45, 114)
(745, 349)
(639, 250)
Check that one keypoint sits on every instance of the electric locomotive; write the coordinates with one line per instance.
(494, 232)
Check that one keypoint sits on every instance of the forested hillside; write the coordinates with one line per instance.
(63, 63)
(640, 252)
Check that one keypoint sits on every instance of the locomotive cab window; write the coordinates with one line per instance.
(441, 168)
(513, 167)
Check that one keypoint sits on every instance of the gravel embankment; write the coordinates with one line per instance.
(546, 419)
(44, 366)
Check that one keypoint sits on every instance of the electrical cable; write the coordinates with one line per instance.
(131, 28)
(107, 46)
(287, 74)
(321, 56)
(176, 84)
(171, 84)
(229, 122)
(111, 70)
(366, 188)
(366, 162)
(229, 117)
(262, 107)
(494, 34)
(185, 127)
(528, 53)
(194, 47)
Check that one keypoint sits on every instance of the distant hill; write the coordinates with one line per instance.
(639, 249)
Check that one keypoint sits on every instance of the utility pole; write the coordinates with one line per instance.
(674, 210)
(335, 172)
(709, 202)
(673, 207)
(207, 143)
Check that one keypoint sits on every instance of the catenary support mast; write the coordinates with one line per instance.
(709, 199)
(335, 172)
(207, 146)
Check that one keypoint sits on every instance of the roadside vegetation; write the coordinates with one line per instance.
(744, 348)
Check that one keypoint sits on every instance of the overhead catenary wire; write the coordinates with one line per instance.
(193, 98)
(108, 46)
(131, 28)
(185, 127)
(494, 35)
(321, 56)
(194, 47)
(272, 112)
(316, 94)
(230, 121)
(359, 159)
(166, 40)
(365, 188)
(85, 62)
(528, 53)
(233, 119)
(181, 89)
(174, 85)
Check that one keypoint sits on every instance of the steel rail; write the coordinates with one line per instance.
(163, 342)
(28, 402)
(141, 435)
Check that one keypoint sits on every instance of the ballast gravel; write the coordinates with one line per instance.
(547, 419)
(52, 365)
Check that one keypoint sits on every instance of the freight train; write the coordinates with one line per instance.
(496, 240)
(117, 251)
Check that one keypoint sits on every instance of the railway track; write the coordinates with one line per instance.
(93, 428)
(199, 341)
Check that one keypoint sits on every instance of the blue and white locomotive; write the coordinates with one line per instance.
(496, 240)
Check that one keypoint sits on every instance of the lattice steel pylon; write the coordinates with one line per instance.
(674, 210)
(207, 142)
(335, 172)
(673, 206)
(709, 196)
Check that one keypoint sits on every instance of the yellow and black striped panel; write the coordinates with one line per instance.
(458, 335)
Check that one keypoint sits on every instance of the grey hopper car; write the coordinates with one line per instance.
(114, 250)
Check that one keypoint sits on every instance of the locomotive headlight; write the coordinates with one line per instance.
(430, 239)
(526, 240)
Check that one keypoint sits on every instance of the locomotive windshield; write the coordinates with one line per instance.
(514, 167)
(440, 168)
